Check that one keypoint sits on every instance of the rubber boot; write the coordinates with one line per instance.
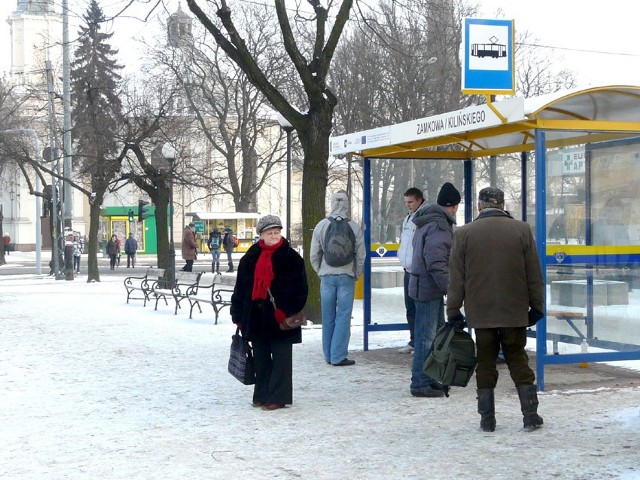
(218, 268)
(487, 409)
(213, 267)
(529, 406)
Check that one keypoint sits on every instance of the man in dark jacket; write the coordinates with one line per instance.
(495, 272)
(429, 281)
(228, 244)
(130, 248)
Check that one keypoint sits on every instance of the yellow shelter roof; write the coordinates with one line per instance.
(570, 117)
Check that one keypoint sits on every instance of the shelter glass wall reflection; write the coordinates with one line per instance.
(593, 247)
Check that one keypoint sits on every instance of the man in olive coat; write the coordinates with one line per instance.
(494, 270)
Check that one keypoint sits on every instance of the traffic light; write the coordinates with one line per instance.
(131, 216)
(143, 210)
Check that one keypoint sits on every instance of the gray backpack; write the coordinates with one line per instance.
(339, 242)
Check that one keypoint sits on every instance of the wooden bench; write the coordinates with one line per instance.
(215, 291)
(570, 318)
(142, 284)
(184, 283)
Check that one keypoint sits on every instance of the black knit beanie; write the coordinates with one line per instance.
(448, 195)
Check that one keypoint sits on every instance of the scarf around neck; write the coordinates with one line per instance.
(263, 274)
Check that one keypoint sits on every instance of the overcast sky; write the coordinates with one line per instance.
(596, 42)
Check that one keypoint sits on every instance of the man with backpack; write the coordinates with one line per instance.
(495, 272)
(429, 281)
(214, 243)
(337, 255)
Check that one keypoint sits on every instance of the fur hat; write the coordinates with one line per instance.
(492, 196)
(448, 195)
(268, 221)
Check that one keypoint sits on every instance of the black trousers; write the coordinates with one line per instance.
(274, 371)
(188, 267)
(488, 344)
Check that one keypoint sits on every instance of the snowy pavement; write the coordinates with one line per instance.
(94, 388)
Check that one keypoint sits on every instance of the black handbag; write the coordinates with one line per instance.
(241, 364)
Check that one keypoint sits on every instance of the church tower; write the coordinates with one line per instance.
(36, 36)
(179, 28)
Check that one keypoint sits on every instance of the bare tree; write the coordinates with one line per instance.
(399, 63)
(311, 56)
(231, 113)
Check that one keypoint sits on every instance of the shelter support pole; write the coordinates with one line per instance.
(541, 243)
(366, 217)
(524, 181)
(468, 191)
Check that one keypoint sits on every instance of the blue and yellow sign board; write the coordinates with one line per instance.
(488, 63)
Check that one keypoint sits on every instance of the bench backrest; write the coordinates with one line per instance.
(228, 280)
(155, 273)
(188, 278)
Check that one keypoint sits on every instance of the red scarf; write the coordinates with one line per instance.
(263, 275)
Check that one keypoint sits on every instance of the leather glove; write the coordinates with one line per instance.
(457, 321)
(534, 316)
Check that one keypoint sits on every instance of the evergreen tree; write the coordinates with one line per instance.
(96, 116)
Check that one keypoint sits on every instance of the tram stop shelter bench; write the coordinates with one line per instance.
(143, 284)
(570, 318)
(184, 283)
(215, 291)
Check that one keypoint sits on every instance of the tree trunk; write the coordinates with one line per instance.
(93, 273)
(315, 142)
(162, 226)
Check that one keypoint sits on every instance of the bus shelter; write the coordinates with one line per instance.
(583, 149)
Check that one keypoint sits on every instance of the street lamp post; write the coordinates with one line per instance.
(169, 153)
(288, 128)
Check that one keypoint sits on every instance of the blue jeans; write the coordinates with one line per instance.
(336, 300)
(429, 317)
(215, 255)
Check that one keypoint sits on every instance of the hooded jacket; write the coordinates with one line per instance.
(405, 251)
(339, 208)
(495, 272)
(432, 240)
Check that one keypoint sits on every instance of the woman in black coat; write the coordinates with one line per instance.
(270, 265)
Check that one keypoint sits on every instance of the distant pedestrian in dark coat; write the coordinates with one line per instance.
(495, 272)
(270, 268)
(130, 248)
(113, 250)
(229, 244)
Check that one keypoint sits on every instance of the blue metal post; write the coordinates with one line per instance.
(468, 191)
(366, 217)
(523, 184)
(541, 242)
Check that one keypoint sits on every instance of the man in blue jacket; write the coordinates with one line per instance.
(429, 281)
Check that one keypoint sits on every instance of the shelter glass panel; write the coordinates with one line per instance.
(593, 247)
(390, 179)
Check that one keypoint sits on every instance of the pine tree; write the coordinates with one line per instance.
(96, 116)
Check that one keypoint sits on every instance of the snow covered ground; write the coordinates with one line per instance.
(94, 388)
